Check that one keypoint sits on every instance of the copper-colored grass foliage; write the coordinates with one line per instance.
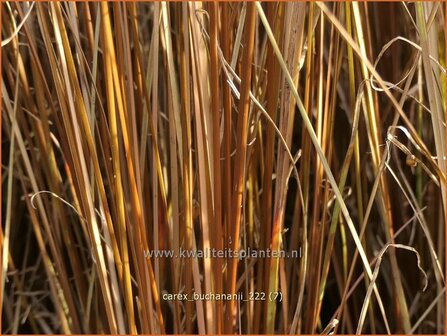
(309, 133)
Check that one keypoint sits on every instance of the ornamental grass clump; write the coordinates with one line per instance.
(223, 167)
